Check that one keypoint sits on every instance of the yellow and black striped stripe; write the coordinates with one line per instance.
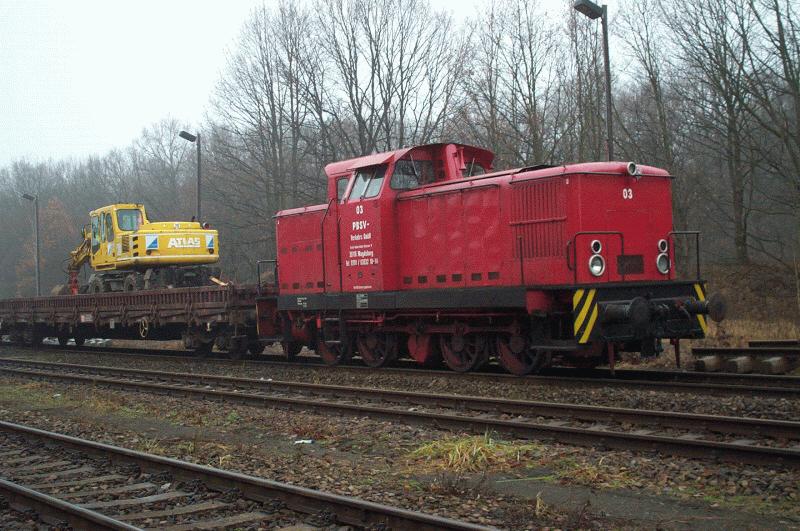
(701, 296)
(584, 313)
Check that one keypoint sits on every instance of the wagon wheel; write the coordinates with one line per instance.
(63, 340)
(464, 352)
(31, 336)
(237, 348)
(255, 347)
(377, 349)
(79, 340)
(334, 354)
(516, 356)
(291, 349)
(204, 348)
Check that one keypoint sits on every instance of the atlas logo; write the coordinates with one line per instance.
(184, 243)
(151, 242)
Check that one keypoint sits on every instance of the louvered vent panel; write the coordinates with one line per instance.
(538, 216)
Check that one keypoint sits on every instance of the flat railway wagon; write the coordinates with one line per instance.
(205, 316)
(426, 252)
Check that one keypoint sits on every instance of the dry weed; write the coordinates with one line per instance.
(475, 454)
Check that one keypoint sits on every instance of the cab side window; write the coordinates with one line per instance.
(367, 183)
(95, 233)
(109, 228)
(409, 174)
(472, 169)
(341, 188)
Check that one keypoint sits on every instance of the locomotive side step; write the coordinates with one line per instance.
(558, 346)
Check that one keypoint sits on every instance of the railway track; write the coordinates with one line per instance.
(736, 439)
(90, 485)
(669, 380)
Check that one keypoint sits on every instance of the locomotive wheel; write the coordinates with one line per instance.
(377, 349)
(424, 350)
(465, 352)
(516, 357)
(334, 354)
(291, 349)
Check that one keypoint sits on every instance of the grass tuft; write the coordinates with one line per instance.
(475, 453)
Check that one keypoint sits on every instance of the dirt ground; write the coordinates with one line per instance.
(509, 484)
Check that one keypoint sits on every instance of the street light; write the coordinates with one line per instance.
(35, 200)
(195, 138)
(594, 11)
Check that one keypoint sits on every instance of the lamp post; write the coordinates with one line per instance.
(35, 199)
(594, 11)
(196, 139)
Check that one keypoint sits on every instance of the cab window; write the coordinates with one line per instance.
(409, 174)
(109, 229)
(367, 183)
(341, 188)
(472, 169)
(129, 219)
(95, 232)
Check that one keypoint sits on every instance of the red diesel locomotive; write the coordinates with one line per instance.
(427, 253)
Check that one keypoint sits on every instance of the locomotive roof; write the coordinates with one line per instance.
(343, 166)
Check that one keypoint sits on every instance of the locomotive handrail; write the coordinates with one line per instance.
(444, 192)
(573, 242)
(696, 234)
(322, 243)
(258, 272)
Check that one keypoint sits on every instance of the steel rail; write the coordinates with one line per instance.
(56, 512)
(670, 419)
(773, 343)
(351, 511)
(688, 445)
(671, 381)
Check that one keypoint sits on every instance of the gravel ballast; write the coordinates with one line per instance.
(376, 460)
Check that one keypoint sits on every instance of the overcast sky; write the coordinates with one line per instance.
(82, 77)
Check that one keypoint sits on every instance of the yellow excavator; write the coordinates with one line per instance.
(127, 252)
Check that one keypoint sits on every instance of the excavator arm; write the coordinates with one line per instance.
(77, 258)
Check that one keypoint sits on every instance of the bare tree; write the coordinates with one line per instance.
(712, 61)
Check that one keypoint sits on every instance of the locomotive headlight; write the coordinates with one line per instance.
(597, 265)
(663, 246)
(596, 246)
(662, 263)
